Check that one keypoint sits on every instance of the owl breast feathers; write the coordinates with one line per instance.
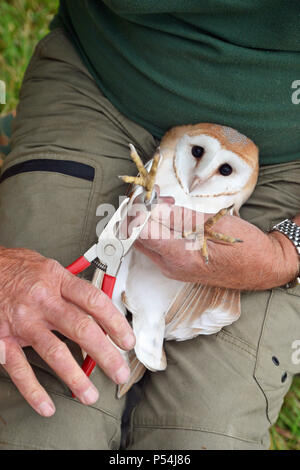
(208, 168)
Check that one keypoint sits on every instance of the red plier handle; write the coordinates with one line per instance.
(108, 285)
(79, 265)
(108, 288)
(110, 251)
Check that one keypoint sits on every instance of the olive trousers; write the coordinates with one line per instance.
(221, 391)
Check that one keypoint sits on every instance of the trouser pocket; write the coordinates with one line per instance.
(44, 205)
(278, 356)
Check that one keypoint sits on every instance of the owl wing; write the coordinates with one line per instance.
(196, 310)
(199, 309)
(137, 370)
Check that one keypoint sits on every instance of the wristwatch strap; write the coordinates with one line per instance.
(292, 231)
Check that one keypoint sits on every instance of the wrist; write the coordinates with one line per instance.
(286, 259)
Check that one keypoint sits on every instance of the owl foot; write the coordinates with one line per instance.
(145, 178)
(207, 233)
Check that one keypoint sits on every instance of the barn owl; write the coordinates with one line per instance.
(214, 169)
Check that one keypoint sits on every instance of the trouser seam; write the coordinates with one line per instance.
(200, 429)
(258, 357)
(286, 291)
(228, 338)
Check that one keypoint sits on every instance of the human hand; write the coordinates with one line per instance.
(38, 295)
(261, 262)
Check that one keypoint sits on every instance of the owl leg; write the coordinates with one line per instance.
(207, 233)
(145, 178)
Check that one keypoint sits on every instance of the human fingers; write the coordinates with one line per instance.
(22, 375)
(57, 355)
(74, 323)
(97, 304)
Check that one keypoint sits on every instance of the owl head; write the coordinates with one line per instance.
(207, 167)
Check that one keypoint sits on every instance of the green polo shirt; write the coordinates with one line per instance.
(169, 62)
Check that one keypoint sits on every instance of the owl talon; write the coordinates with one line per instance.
(145, 179)
(214, 219)
(208, 234)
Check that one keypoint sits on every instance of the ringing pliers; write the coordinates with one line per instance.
(107, 255)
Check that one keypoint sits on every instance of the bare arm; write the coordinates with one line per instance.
(261, 262)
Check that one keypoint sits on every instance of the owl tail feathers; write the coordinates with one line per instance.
(137, 370)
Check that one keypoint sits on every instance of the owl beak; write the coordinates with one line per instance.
(195, 182)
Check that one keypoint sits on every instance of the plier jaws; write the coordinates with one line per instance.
(110, 249)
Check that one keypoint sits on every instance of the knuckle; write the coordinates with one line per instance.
(39, 291)
(95, 300)
(56, 353)
(22, 322)
(112, 361)
(117, 324)
(20, 311)
(76, 381)
(83, 328)
(34, 395)
(19, 372)
(51, 266)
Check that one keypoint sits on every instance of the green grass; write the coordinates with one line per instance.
(22, 24)
(286, 433)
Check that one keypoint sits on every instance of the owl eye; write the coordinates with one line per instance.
(225, 169)
(197, 151)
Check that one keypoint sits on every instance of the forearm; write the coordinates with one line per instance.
(263, 261)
